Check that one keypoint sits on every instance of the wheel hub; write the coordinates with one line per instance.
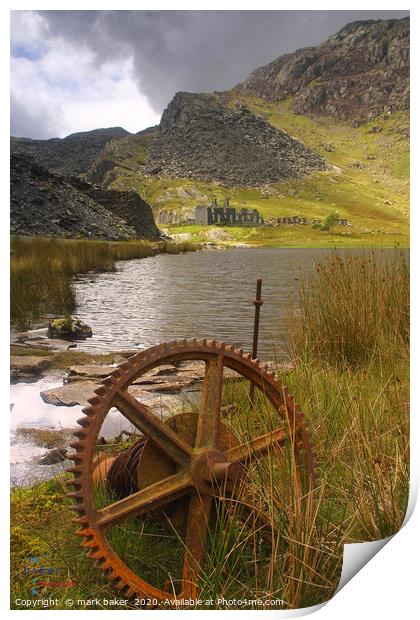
(213, 473)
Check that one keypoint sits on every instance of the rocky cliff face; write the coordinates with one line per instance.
(357, 74)
(46, 204)
(201, 138)
(72, 155)
(129, 154)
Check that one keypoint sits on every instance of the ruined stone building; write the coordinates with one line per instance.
(226, 215)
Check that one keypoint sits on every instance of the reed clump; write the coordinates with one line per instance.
(42, 270)
(353, 307)
(350, 354)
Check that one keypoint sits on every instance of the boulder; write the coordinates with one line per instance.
(217, 234)
(76, 373)
(69, 328)
(181, 237)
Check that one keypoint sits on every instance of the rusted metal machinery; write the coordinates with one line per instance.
(180, 467)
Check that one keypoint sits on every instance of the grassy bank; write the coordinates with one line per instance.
(349, 347)
(42, 270)
(296, 236)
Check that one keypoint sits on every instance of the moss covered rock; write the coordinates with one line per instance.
(69, 328)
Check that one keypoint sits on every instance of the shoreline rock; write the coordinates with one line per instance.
(166, 380)
(27, 368)
(52, 457)
(69, 328)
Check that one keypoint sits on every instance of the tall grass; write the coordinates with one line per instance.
(290, 549)
(354, 307)
(42, 270)
(350, 352)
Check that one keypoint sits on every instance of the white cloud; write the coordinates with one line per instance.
(26, 28)
(38, 120)
(62, 90)
(110, 103)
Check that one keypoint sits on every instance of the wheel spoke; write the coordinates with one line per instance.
(195, 542)
(211, 399)
(159, 434)
(151, 498)
(259, 446)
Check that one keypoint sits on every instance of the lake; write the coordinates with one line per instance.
(206, 294)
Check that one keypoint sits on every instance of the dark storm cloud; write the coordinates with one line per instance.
(196, 50)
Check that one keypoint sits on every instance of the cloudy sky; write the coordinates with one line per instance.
(79, 70)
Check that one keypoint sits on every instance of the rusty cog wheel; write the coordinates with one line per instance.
(198, 472)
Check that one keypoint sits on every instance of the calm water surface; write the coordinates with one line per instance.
(205, 294)
(28, 410)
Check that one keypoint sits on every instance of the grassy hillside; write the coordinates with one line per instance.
(367, 182)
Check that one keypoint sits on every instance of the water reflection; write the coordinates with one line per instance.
(203, 294)
(30, 411)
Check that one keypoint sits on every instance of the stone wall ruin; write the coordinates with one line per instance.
(215, 215)
(298, 220)
(226, 215)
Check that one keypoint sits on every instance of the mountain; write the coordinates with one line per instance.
(322, 129)
(202, 137)
(72, 155)
(46, 204)
(356, 75)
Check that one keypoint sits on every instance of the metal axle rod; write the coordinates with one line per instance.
(258, 302)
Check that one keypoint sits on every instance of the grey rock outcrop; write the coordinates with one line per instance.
(356, 75)
(69, 328)
(45, 204)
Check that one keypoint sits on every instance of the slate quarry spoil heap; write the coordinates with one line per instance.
(46, 204)
(201, 138)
